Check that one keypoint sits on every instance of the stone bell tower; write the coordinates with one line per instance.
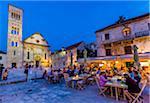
(14, 39)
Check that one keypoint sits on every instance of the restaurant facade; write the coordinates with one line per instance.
(115, 43)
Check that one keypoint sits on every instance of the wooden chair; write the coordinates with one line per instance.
(101, 89)
(66, 77)
(137, 96)
(81, 84)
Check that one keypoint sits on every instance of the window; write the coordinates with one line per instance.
(16, 44)
(108, 52)
(128, 49)
(37, 41)
(14, 52)
(107, 37)
(17, 30)
(12, 14)
(45, 56)
(28, 55)
(12, 31)
(126, 31)
(12, 43)
(0, 57)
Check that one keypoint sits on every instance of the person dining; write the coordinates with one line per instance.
(103, 79)
(132, 87)
(137, 77)
(131, 72)
(98, 71)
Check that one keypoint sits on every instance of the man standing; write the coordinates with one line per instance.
(26, 72)
(1, 71)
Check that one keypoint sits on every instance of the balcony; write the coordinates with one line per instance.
(118, 39)
(142, 33)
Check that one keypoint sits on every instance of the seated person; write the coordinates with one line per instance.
(131, 72)
(137, 77)
(132, 86)
(103, 79)
(98, 71)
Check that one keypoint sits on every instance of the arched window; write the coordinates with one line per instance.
(12, 43)
(126, 31)
(16, 44)
(28, 55)
(12, 30)
(15, 31)
(45, 56)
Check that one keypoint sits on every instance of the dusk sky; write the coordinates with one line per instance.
(65, 23)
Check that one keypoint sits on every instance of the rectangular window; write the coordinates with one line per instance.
(28, 55)
(0, 57)
(45, 56)
(128, 50)
(107, 37)
(12, 43)
(108, 52)
(14, 53)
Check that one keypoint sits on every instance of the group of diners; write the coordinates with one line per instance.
(116, 82)
(74, 76)
(122, 83)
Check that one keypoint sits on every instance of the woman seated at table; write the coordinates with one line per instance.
(103, 79)
(132, 87)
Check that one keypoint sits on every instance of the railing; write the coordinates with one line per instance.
(118, 39)
(142, 33)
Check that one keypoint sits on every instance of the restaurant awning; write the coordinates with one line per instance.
(126, 56)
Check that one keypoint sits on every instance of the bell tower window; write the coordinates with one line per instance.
(12, 43)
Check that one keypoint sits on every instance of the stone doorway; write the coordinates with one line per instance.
(13, 65)
(37, 63)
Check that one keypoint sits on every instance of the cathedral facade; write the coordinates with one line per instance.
(33, 50)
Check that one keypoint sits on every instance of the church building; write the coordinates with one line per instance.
(33, 50)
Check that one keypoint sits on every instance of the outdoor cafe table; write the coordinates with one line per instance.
(116, 85)
(74, 80)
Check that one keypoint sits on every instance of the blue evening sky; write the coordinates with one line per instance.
(63, 23)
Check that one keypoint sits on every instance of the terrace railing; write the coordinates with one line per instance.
(142, 33)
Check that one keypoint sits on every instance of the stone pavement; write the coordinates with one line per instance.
(43, 92)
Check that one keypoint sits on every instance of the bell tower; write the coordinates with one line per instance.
(14, 39)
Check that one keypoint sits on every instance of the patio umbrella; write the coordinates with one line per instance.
(136, 57)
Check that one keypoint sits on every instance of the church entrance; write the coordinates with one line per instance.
(37, 63)
(13, 65)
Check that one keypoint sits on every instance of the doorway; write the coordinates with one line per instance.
(13, 65)
(37, 63)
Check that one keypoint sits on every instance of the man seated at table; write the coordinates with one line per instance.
(103, 79)
(132, 87)
(98, 71)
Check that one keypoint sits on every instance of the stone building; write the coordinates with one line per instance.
(34, 50)
(67, 56)
(3, 58)
(115, 42)
(14, 39)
